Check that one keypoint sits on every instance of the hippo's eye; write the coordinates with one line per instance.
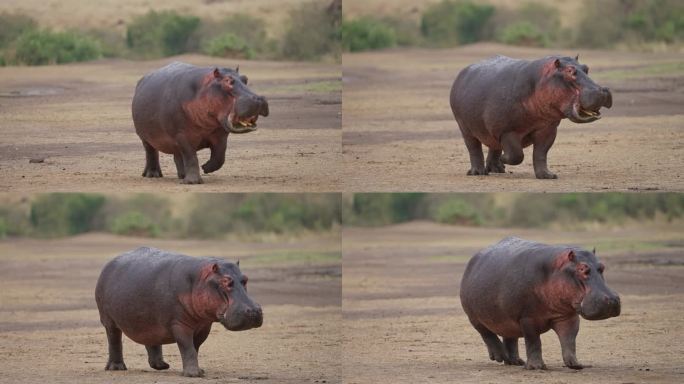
(601, 268)
(244, 281)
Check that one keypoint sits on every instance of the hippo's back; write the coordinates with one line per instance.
(482, 81)
(141, 274)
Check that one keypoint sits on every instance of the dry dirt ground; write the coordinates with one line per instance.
(399, 133)
(50, 330)
(403, 321)
(78, 118)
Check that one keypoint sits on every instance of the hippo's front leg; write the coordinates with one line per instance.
(218, 155)
(190, 162)
(512, 149)
(533, 345)
(542, 141)
(185, 340)
(567, 333)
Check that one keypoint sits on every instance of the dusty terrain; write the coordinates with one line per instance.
(399, 133)
(77, 118)
(50, 330)
(403, 321)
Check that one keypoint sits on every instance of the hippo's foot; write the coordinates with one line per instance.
(535, 364)
(112, 366)
(572, 363)
(496, 167)
(545, 174)
(192, 180)
(193, 372)
(477, 171)
(150, 172)
(514, 361)
(209, 167)
(496, 355)
(159, 365)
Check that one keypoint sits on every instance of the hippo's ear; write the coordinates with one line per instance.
(594, 251)
(215, 268)
(217, 73)
(244, 79)
(238, 263)
(237, 69)
(577, 58)
(557, 63)
(567, 256)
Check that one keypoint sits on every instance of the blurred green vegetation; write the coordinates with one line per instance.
(41, 47)
(312, 33)
(455, 22)
(148, 215)
(159, 34)
(367, 34)
(511, 210)
(603, 24)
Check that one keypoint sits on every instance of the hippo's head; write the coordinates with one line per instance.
(581, 98)
(247, 107)
(237, 311)
(593, 300)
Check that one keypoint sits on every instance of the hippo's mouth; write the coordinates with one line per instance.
(580, 115)
(234, 124)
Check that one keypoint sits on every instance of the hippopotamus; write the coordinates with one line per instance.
(508, 104)
(156, 297)
(180, 109)
(519, 288)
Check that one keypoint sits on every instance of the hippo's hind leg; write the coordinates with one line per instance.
(511, 348)
(155, 357)
(152, 167)
(494, 164)
(115, 361)
(218, 156)
(477, 165)
(493, 343)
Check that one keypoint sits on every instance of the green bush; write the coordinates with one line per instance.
(12, 25)
(228, 45)
(610, 21)
(41, 47)
(134, 224)
(455, 22)
(217, 215)
(406, 31)
(523, 33)
(457, 211)
(60, 214)
(159, 34)
(313, 32)
(249, 30)
(366, 34)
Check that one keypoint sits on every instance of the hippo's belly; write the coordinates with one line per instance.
(150, 335)
(486, 138)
